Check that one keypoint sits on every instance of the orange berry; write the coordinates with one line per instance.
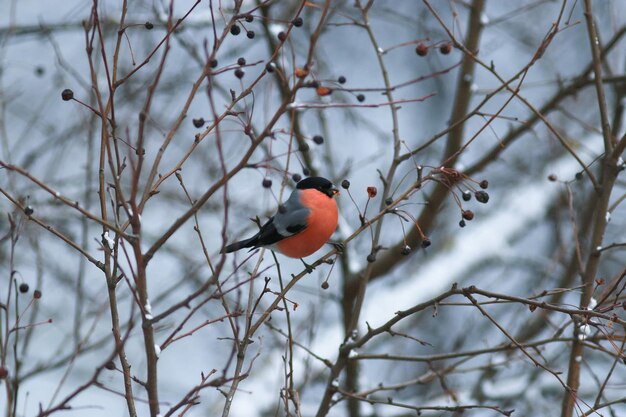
(323, 91)
(301, 72)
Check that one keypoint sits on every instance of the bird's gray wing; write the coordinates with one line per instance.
(291, 217)
(288, 221)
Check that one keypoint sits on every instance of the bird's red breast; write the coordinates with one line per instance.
(321, 224)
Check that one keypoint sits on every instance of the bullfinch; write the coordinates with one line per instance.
(301, 225)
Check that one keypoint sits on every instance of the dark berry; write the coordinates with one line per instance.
(372, 191)
(406, 249)
(267, 183)
(481, 196)
(148, 25)
(249, 18)
(297, 22)
(282, 209)
(306, 172)
(579, 176)
(282, 36)
(345, 184)
(371, 258)
(552, 177)
(37, 294)
(462, 223)
(360, 98)
(67, 94)
(304, 147)
(426, 242)
(239, 73)
(389, 201)
(270, 67)
(235, 30)
(421, 49)
(325, 285)
(467, 196)
(468, 214)
(318, 139)
(110, 365)
(213, 63)
(296, 177)
(484, 184)
(23, 287)
(198, 122)
(445, 48)
(241, 61)
(341, 79)
(250, 34)
(28, 210)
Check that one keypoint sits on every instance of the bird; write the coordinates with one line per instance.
(302, 225)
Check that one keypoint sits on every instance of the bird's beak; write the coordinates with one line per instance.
(334, 192)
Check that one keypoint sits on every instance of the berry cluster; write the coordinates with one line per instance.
(480, 196)
(236, 29)
(422, 49)
(304, 147)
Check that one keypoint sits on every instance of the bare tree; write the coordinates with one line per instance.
(479, 146)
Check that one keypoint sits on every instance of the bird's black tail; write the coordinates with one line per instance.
(246, 243)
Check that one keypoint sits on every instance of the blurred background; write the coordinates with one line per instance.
(138, 138)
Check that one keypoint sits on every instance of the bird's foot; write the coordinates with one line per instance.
(339, 247)
(309, 268)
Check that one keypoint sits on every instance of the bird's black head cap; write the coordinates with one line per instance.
(318, 183)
